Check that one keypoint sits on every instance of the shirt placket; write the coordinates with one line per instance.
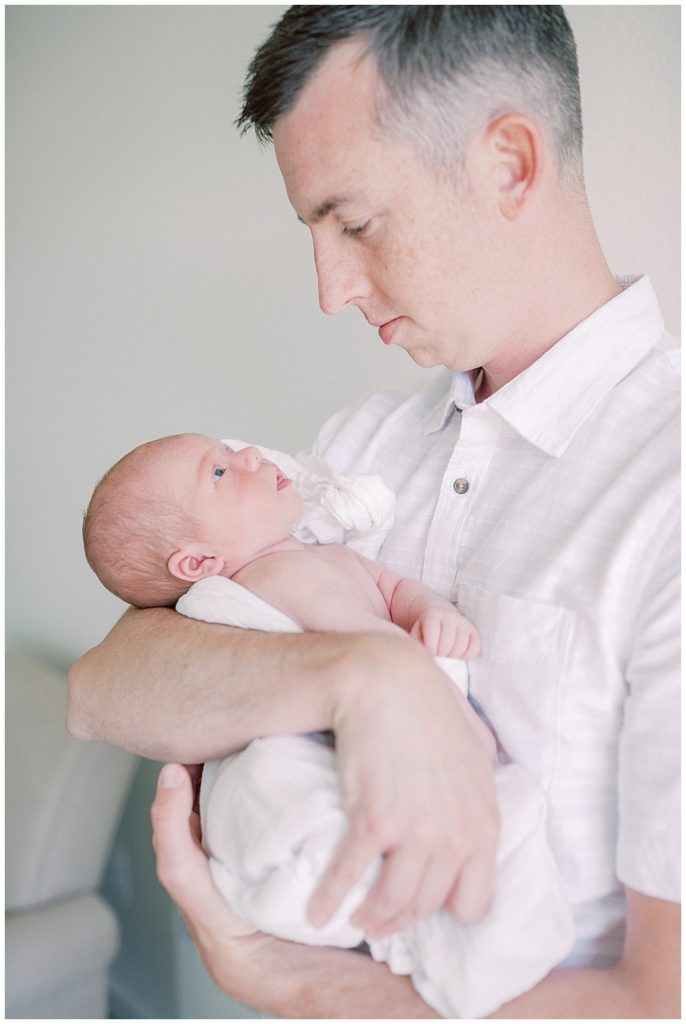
(459, 492)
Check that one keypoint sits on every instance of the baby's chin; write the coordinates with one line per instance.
(297, 516)
(296, 504)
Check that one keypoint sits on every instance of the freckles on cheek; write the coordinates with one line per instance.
(401, 263)
(409, 255)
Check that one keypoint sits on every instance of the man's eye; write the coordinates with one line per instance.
(219, 472)
(357, 231)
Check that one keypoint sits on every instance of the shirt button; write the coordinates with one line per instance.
(460, 486)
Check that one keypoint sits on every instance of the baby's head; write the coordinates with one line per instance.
(182, 508)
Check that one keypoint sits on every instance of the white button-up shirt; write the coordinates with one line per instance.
(550, 514)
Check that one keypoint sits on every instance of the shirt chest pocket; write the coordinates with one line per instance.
(519, 677)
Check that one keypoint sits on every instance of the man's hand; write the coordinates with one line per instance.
(417, 785)
(223, 941)
(282, 979)
(182, 866)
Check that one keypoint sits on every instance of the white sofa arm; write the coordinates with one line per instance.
(56, 960)
(63, 797)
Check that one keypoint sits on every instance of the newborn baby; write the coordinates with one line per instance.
(181, 509)
(187, 510)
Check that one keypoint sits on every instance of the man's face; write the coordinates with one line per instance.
(409, 247)
(240, 501)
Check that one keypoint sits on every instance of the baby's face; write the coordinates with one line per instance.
(241, 502)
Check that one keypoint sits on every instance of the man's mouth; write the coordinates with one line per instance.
(387, 330)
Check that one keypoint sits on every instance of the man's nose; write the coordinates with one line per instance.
(342, 277)
(248, 458)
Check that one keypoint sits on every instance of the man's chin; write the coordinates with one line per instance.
(424, 357)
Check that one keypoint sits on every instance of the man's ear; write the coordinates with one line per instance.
(515, 148)
(191, 565)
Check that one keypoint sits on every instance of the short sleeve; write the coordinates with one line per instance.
(648, 853)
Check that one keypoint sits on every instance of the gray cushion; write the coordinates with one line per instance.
(56, 959)
(63, 797)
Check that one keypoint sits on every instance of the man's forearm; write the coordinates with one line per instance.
(333, 986)
(287, 980)
(172, 688)
(602, 994)
(329, 984)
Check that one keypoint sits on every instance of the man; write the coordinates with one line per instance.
(435, 155)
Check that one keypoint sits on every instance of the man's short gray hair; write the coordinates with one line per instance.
(446, 70)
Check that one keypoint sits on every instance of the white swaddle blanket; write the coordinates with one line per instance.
(272, 817)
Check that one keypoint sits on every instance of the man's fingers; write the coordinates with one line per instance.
(433, 890)
(424, 807)
(350, 862)
(182, 867)
(393, 893)
(471, 896)
(184, 870)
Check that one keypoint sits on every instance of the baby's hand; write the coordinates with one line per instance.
(446, 633)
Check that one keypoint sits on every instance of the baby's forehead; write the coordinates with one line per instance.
(184, 446)
(179, 459)
(164, 457)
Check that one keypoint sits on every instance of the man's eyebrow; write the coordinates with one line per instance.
(327, 207)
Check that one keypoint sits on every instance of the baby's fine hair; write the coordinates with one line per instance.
(130, 529)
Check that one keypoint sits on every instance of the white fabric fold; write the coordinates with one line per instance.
(356, 509)
(273, 816)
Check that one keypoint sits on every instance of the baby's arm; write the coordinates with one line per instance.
(437, 624)
(323, 589)
(425, 615)
(330, 591)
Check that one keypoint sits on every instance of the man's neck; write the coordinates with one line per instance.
(572, 287)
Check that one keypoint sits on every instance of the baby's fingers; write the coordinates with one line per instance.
(464, 642)
(472, 644)
(427, 629)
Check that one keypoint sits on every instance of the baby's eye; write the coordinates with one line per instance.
(219, 472)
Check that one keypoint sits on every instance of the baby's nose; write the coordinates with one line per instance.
(249, 458)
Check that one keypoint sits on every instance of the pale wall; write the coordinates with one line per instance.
(157, 281)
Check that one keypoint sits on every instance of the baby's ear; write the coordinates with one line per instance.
(191, 565)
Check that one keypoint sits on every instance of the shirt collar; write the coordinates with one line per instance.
(459, 395)
(549, 401)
